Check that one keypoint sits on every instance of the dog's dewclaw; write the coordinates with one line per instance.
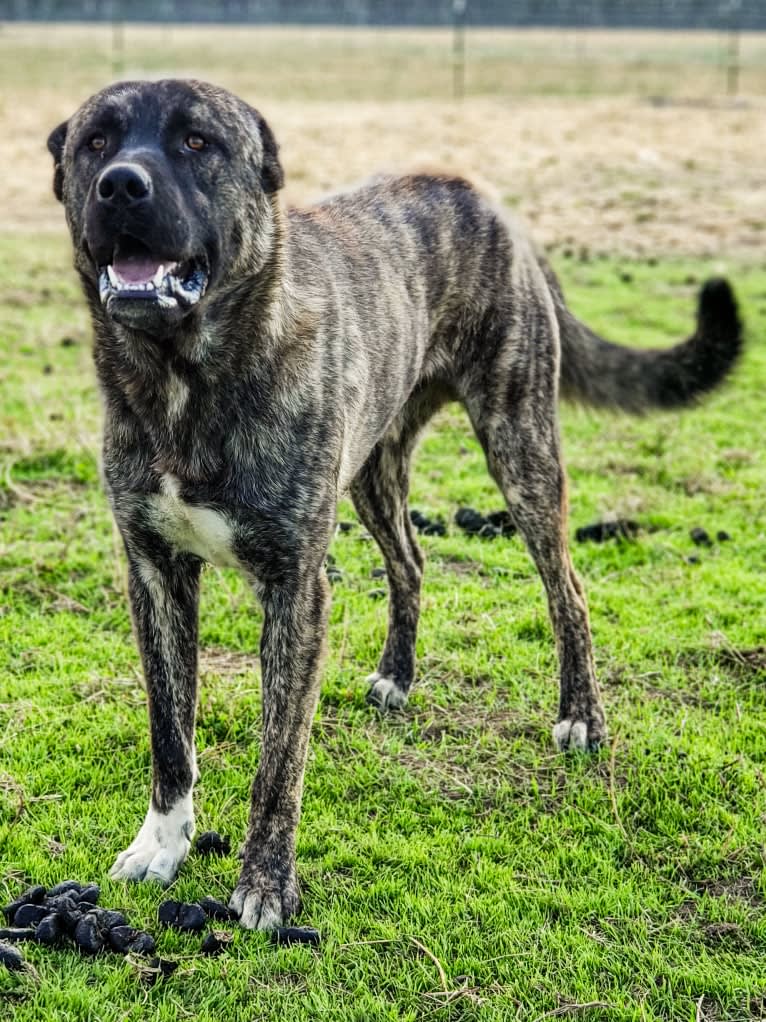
(295, 935)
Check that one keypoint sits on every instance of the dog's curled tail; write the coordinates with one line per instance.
(598, 373)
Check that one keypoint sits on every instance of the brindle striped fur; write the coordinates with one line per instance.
(327, 339)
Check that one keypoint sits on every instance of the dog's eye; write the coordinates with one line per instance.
(195, 142)
(97, 143)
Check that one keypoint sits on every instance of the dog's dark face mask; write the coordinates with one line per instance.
(168, 190)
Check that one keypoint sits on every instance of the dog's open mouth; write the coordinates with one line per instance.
(135, 273)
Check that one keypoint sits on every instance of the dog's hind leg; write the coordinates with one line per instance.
(516, 421)
(379, 492)
(164, 593)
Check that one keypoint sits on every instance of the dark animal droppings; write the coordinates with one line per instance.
(215, 909)
(142, 943)
(191, 919)
(435, 528)
(167, 913)
(65, 887)
(63, 903)
(120, 937)
(109, 918)
(722, 536)
(91, 894)
(212, 843)
(88, 936)
(469, 520)
(30, 915)
(700, 537)
(599, 532)
(11, 958)
(295, 935)
(49, 929)
(32, 896)
(14, 934)
(215, 943)
(418, 519)
(187, 918)
(502, 520)
(161, 969)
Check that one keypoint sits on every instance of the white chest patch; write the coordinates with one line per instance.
(191, 529)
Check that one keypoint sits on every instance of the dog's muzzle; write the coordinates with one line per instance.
(135, 275)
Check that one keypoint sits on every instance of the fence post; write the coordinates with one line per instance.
(458, 48)
(118, 41)
(731, 10)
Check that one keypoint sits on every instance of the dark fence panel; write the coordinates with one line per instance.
(674, 14)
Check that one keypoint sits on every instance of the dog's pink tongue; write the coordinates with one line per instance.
(136, 269)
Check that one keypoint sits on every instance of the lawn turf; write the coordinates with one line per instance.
(632, 881)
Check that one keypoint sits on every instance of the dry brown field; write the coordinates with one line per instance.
(610, 142)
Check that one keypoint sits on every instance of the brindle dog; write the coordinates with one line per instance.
(255, 364)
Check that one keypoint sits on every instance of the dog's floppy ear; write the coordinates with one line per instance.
(272, 175)
(56, 141)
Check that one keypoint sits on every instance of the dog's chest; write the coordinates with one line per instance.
(192, 529)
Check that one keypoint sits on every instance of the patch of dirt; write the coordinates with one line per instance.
(727, 936)
(607, 174)
(461, 566)
(734, 889)
(743, 664)
(227, 662)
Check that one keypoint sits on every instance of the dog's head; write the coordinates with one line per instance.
(169, 193)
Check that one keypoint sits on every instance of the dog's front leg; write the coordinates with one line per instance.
(292, 643)
(164, 597)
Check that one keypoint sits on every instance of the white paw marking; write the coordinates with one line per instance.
(160, 846)
(385, 693)
(571, 734)
(256, 911)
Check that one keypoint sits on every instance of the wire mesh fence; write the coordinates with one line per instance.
(342, 49)
(677, 14)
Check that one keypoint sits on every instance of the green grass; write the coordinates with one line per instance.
(334, 63)
(634, 879)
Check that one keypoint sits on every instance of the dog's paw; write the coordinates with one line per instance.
(577, 735)
(385, 693)
(261, 902)
(160, 846)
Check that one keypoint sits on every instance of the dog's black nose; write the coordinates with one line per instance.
(124, 184)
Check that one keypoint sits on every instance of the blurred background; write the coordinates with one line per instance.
(613, 127)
